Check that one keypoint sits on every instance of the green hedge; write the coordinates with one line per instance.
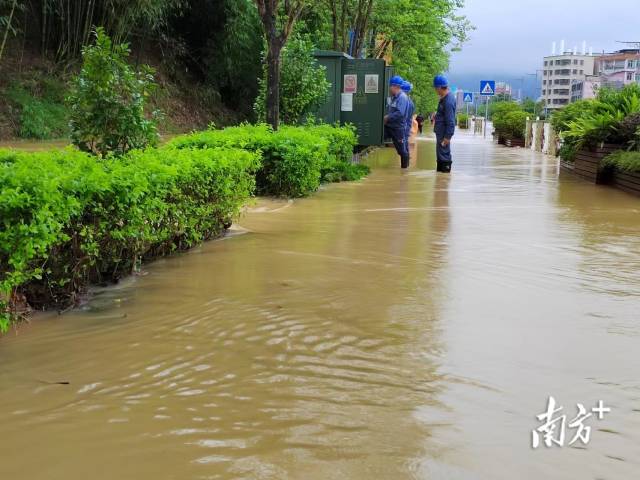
(69, 219)
(294, 160)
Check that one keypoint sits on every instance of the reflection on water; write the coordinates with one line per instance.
(407, 326)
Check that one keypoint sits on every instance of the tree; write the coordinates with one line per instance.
(6, 21)
(415, 35)
(303, 83)
(108, 99)
(277, 22)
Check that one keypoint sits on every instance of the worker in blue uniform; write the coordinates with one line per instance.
(444, 124)
(395, 119)
(406, 88)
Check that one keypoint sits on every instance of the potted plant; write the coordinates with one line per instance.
(592, 129)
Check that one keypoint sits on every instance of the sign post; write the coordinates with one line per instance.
(468, 98)
(487, 89)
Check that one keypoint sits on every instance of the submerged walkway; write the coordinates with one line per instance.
(409, 326)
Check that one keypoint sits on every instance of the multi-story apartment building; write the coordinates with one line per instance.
(586, 88)
(558, 74)
(619, 68)
(612, 70)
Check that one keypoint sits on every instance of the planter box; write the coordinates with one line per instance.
(515, 142)
(626, 181)
(587, 163)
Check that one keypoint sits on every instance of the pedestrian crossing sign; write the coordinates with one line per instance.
(487, 88)
(468, 97)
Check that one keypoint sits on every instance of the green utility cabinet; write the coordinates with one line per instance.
(358, 94)
(329, 112)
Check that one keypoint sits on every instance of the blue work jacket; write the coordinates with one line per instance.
(445, 121)
(397, 111)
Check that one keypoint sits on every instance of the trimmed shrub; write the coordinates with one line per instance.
(463, 120)
(69, 219)
(515, 124)
(294, 159)
(505, 124)
(337, 167)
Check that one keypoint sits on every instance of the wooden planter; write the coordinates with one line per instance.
(626, 181)
(515, 142)
(587, 163)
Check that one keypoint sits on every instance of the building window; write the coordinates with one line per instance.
(545, 63)
(575, 62)
(581, 62)
(581, 72)
(629, 76)
(575, 71)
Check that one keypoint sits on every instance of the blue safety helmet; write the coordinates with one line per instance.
(440, 81)
(396, 81)
(406, 86)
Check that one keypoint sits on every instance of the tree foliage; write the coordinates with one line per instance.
(218, 42)
(108, 99)
(416, 36)
(303, 85)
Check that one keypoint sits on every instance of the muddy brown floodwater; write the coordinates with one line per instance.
(409, 326)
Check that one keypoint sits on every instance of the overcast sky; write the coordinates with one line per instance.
(512, 36)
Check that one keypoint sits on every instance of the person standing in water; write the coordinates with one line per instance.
(444, 123)
(420, 120)
(406, 88)
(395, 119)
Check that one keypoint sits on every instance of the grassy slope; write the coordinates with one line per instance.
(32, 91)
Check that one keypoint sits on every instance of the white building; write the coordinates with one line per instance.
(560, 71)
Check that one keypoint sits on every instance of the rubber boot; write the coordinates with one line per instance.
(444, 167)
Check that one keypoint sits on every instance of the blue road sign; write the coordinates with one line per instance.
(468, 97)
(487, 88)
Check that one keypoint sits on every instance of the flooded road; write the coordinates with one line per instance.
(410, 326)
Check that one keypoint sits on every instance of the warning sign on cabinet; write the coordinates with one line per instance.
(350, 83)
(371, 83)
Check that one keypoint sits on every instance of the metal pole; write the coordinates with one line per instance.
(486, 116)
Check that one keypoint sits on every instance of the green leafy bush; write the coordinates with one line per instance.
(108, 100)
(560, 119)
(337, 166)
(501, 108)
(344, 172)
(609, 118)
(294, 159)
(69, 219)
(515, 124)
(630, 130)
(622, 161)
(303, 84)
(568, 152)
(509, 120)
(463, 120)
